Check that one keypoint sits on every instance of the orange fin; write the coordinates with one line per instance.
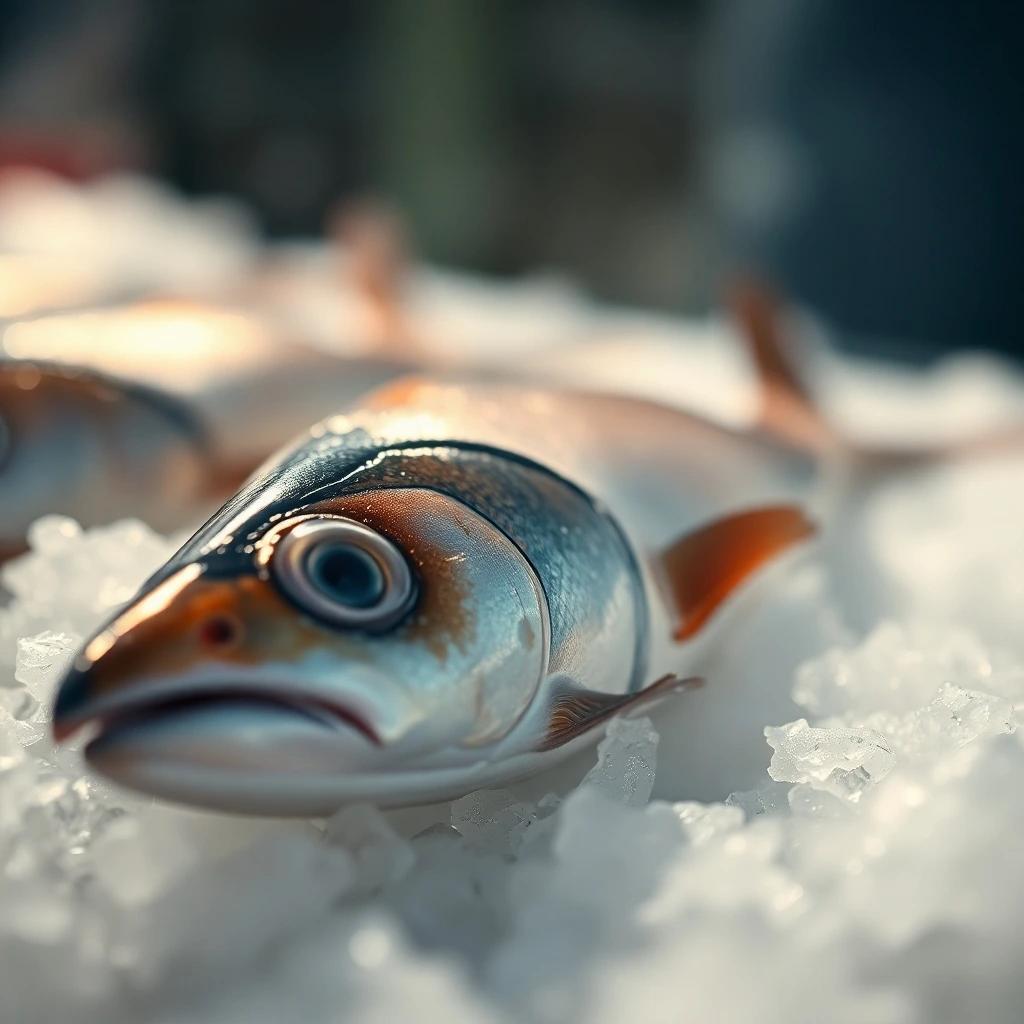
(575, 711)
(787, 408)
(399, 393)
(701, 569)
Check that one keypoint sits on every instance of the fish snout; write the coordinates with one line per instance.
(216, 693)
(72, 700)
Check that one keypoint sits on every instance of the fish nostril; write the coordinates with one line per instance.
(221, 632)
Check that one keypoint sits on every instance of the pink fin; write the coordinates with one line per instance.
(576, 711)
(702, 568)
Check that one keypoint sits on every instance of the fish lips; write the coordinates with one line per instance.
(250, 755)
(223, 746)
(188, 748)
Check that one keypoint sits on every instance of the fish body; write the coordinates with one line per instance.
(79, 443)
(449, 587)
(154, 408)
(299, 343)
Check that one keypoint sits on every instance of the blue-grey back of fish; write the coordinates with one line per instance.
(155, 410)
(448, 588)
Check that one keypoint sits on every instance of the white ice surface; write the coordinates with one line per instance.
(862, 865)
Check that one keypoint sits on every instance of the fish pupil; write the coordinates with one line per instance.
(347, 574)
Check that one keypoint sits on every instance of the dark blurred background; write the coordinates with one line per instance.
(865, 155)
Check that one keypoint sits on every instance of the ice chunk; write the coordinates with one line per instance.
(973, 715)
(11, 749)
(380, 856)
(769, 798)
(138, 858)
(703, 821)
(41, 661)
(729, 871)
(626, 761)
(956, 716)
(53, 535)
(454, 898)
(815, 801)
(842, 760)
(949, 545)
(223, 916)
(77, 578)
(492, 819)
(900, 667)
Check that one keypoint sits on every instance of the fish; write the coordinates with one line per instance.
(79, 442)
(761, 366)
(156, 409)
(453, 585)
(206, 390)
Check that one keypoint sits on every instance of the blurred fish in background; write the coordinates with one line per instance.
(157, 407)
(643, 152)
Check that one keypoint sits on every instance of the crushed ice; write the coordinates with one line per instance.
(873, 874)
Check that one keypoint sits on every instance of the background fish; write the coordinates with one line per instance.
(449, 588)
(312, 329)
(152, 409)
(81, 443)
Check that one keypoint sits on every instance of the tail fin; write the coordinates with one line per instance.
(788, 412)
(786, 407)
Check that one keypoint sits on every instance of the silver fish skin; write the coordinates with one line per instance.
(450, 587)
(153, 409)
(82, 444)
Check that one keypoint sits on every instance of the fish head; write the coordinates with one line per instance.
(88, 446)
(378, 645)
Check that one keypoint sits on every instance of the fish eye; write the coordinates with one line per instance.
(344, 573)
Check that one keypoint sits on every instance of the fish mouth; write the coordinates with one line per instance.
(106, 725)
(230, 749)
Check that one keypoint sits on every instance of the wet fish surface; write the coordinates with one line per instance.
(450, 587)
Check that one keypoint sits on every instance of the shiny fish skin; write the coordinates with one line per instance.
(154, 410)
(82, 444)
(527, 518)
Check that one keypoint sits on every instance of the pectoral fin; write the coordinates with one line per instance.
(701, 569)
(575, 711)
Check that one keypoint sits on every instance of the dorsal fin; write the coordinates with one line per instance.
(374, 239)
(786, 408)
(703, 568)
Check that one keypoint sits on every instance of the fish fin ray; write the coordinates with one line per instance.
(575, 710)
(703, 567)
